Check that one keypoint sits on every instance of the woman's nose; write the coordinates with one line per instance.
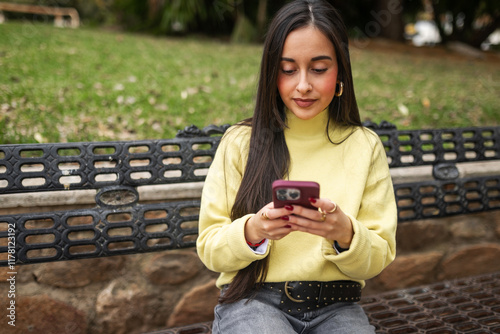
(304, 85)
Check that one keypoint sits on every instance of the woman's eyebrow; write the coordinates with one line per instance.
(291, 60)
(321, 58)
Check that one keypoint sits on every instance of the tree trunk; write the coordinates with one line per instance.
(388, 14)
(154, 7)
(261, 18)
(437, 20)
(243, 31)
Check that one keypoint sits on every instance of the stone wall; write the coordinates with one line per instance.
(144, 292)
(438, 249)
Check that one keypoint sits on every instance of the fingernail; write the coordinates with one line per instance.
(288, 226)
(285, 218)
(312, 199)
(289, 207)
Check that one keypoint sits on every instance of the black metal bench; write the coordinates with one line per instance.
(122, 222)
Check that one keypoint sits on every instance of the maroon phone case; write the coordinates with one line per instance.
(294, 193)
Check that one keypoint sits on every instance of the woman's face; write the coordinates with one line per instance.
(308, 72)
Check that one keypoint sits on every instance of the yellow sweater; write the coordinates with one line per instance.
(354, 174)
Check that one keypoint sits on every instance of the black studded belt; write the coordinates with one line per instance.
(303, 296)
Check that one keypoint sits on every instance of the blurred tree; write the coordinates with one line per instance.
(154, 7)
(190, 16)
(246, 20)
(131, 14)
(94, 11)
(389, 14)
(244, 30)
(261, 17)
(180, 16)
(471, 22)
(380, 18)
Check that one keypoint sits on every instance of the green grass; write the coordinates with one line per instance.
(427, 92)
(59, 85)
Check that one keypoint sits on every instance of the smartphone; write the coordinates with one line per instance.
(294, 193)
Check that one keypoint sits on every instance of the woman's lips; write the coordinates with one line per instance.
(304, 103)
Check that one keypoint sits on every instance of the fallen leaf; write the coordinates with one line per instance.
(403, 109)
(426, 102)
(39, 138)
(119, 87)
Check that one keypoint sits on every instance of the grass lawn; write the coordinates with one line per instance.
(59, 85)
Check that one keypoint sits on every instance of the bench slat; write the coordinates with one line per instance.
(100, 232)
(93, 165)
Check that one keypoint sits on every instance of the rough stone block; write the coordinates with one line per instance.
(421, 234)
(42, 314)
(126, 307)
(409, 270)
(469, 228)
(73, 274)
(470, 261)
(196, 306)
(497, 229)
(174, 267)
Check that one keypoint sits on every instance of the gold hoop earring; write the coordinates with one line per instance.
(341, 90)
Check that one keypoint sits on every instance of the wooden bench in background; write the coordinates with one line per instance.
(127, 180)
(58, 12)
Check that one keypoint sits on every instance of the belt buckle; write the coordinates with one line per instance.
(287, 293)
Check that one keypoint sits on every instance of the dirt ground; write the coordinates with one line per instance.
(453, 52)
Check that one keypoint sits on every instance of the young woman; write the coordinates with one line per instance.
(296, 269)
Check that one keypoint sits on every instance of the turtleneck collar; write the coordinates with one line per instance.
(315, 128)
(309, 128)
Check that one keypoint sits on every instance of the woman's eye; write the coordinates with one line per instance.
(320, 70)
(287, 72)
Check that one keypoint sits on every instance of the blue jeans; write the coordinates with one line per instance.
(261, 315)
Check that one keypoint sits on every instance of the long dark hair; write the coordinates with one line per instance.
(268, 157)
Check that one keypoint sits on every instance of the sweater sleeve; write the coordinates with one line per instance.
(221, 242)
(373, 246)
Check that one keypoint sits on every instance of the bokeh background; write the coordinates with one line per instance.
(137, 69)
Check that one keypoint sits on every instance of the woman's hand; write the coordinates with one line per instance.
(328, 222)
(268, 223)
